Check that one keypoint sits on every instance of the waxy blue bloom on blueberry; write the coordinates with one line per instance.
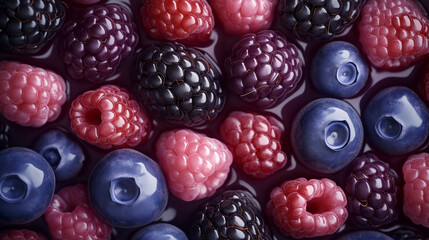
(161, 231)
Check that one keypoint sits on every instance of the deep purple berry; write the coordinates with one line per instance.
(263, 68)
(4, 138)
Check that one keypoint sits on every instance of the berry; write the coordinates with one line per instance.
(179, 84)
(394, 33)
(318, 19)
(109, 117)
(407, 233)
(160, 231)
(194, 164)
(30, 96)
(308, 208)
(254, 141)
(22, 234)
(424, 84)
(94, 46)
(187, 21)
(371, 189)
(263, 68)
(4, 138)
(235, 215)
(364, 235)
(26, 26)
(86, 2)
(240, 17)
(71, 217)
(416, 192)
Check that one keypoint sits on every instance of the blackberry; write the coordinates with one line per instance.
(179, 84)
(94, 46)
(27, 25)
(318, 19)
(263, 68)
(232, 215)
(371, 189)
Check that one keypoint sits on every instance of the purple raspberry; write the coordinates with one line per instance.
(95, 45)
(264, 68)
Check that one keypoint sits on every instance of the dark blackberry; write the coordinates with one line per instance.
(27, 25)
(94, 46)
(263, 68)
(371, 188)
(232, 215)
(179, 84)
(318, 19)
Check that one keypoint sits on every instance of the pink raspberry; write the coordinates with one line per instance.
(416, 190)
(70, 216)
(194, 164)
(24, 234)
(254, 141)
(109, 117)
(244, 16)
(308, 208)
(30, 96)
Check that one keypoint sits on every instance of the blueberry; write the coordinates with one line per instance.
(27, 185)
(63, 154)
(395, 121)
(364, 235)
(327, 134)
(127, 189)
(161, 231)
(339, 70)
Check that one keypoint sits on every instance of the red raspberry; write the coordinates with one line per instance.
(194, 164)
(109, 117)
(254, 141)
(70, 216)
(394, 33)
(24, 234)
(30, 96)
(308, 208)
(187, 21)
(416, 190)
(240, 17)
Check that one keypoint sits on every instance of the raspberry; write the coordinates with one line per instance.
(416, 192)
(94, 46)
(308, 208)
(24, 234)
(371, 189)
(194, 164)
(240, 17)
(30, 96)
(254, 141)
(109, 117)
(263, 68)
(394, 33)
(187, 21)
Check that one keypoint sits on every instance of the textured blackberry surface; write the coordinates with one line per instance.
(318, 19)
(94, 46)
(232, 215)
(263, 68)
(27, 25)
(371, 189)
(179, 84)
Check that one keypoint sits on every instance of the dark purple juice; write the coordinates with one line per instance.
(219, 47)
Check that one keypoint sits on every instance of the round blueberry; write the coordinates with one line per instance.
(27, 185)
(364, 235)
(161, 231)
(339, 70)
(396, 121)
(327, 134)
(128, 189)
(63, 154)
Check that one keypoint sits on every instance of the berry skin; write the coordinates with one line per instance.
(194, 164)
(94, 46)
(308, 208)
(364, 235)
(22, 234)
(235, 215)
(160, 231)
(394, 33)
(371, 189)
(71, 217)
(240, 17)
(263, 68)
(416, 192)
(187, 21)
(254, 141)
(179, 84)
(109, 117)
(26, 26)
(30, 96)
